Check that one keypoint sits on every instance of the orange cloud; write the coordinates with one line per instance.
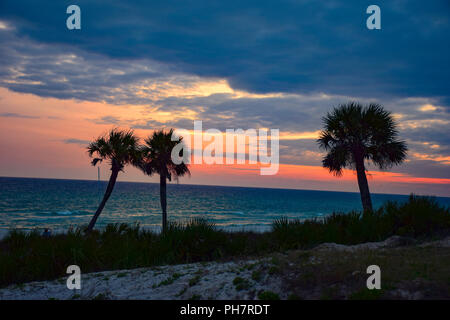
(34, 145)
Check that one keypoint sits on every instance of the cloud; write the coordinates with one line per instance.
(109, 120)
(76, 141)
(4, 26)
(240, 65)
(262, 46)
(52, 71)
(16, 115)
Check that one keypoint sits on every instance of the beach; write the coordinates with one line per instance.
(339, 273)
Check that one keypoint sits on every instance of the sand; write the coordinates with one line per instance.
(187, 281)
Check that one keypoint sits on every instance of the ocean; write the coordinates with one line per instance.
(27, 203)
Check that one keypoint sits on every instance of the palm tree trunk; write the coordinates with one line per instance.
(109, 189)
(363, 185)
(163, 199)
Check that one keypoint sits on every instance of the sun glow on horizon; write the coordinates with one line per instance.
(53, 132)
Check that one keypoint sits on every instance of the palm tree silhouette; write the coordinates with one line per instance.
(157, 158)
(353, 134)
(120, 147)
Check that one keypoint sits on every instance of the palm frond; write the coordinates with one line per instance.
(120, 147)
(95, 161)
(367, 131)
(157, 155)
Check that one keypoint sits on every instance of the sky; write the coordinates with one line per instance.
(148, 65)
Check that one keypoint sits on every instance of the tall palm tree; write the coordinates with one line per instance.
(120, 147)
(156, 158)
(353, 134)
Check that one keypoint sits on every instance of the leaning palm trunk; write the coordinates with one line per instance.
(363, 186)
(109, 189)
(120, 147)
(163, 199)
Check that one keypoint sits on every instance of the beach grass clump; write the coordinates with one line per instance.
(168, 281)
(196, 240)
(194, 280)
(241, 283)
(29, 256)
(419, 217)
(256, 275)
(268, 295)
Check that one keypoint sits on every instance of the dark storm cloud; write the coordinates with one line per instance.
(27, 66)
(263, 46)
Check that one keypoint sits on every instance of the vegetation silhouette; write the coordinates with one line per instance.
(353, 134)
(119, 147)
(30, 256)
(157, 159)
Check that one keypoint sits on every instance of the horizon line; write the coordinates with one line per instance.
(227, 186)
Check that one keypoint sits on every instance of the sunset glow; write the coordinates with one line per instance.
(55, 132)
(57, 94)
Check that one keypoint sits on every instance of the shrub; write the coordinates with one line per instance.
(29, 256)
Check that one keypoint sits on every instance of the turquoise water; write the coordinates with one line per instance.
(57, 204)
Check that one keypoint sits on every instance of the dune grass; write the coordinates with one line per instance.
(418, 217)
(28, 256)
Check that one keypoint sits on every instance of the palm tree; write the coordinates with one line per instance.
(354, 134)
(120, 147)
(156, 158)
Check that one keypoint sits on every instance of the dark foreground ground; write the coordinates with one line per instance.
(409, 270)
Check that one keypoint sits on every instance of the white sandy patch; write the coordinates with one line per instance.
(197, 280)
(391, 242)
